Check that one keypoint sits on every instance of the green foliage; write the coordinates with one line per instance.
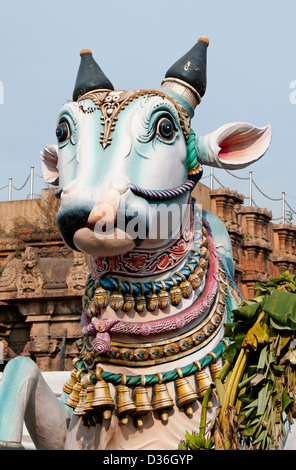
(289, 216)
(195, 441)
(258, 392)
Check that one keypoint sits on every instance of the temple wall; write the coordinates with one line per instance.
(42, 281)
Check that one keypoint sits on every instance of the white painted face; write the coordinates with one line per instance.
(110, 142)
(146, 148)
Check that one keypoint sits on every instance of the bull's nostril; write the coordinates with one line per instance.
(90, 225)
(69, 221)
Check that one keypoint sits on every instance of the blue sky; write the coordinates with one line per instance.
(251, 63)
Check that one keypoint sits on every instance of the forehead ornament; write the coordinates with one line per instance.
(111, 103)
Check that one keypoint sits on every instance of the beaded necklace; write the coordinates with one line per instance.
(125, 295)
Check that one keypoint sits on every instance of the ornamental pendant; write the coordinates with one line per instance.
(186, 289)
(194, 280)
(116, 301)
(101, 298)
(140, 303)
(164, 299)
(129, 303)
(176, 295)
(151, 301)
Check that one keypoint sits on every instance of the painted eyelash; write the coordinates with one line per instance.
(69, 115)
(152, 131)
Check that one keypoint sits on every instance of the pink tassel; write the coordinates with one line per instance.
(102, 342)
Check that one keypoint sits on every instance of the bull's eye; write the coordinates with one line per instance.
(63, 131)
(165, 128)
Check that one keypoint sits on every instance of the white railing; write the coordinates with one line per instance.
(30, 179)
(286, 215)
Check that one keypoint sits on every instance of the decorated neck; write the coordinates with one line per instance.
(155, 263)
(191, 323)
(166, 276)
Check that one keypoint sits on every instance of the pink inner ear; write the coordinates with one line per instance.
(238, 145)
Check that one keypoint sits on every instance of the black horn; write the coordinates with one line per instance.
(90, 76)
(188, 76)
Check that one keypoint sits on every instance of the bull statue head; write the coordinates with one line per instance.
(121, 152)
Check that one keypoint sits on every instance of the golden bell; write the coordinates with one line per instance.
(200, 272)
(101, 298)
(140, 303)
(140, 300)
(185, 286)
(203, 263)
(161, 399)
(205, 241)
(68, 387)
(91, 309)
(151, 301)
(88, 388)
(194, 280)
(129, 301)
(163, 297)
(186, 289)
(123, 402)
(175, 293)
(204, 253)
(116, 300)
(79, 410)
(215, 366)
(102, 402)
(142, 402)
(203, 382)
(185, 395)
(83, 407)
(73, 399)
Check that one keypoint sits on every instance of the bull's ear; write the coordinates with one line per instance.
(233, 146)
(49, 161)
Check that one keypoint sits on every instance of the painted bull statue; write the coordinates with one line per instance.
(161, 284)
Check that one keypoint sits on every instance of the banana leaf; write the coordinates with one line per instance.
(284, 277)
(281, 307)
(247, 310)
(257, 334)
(286, 400)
